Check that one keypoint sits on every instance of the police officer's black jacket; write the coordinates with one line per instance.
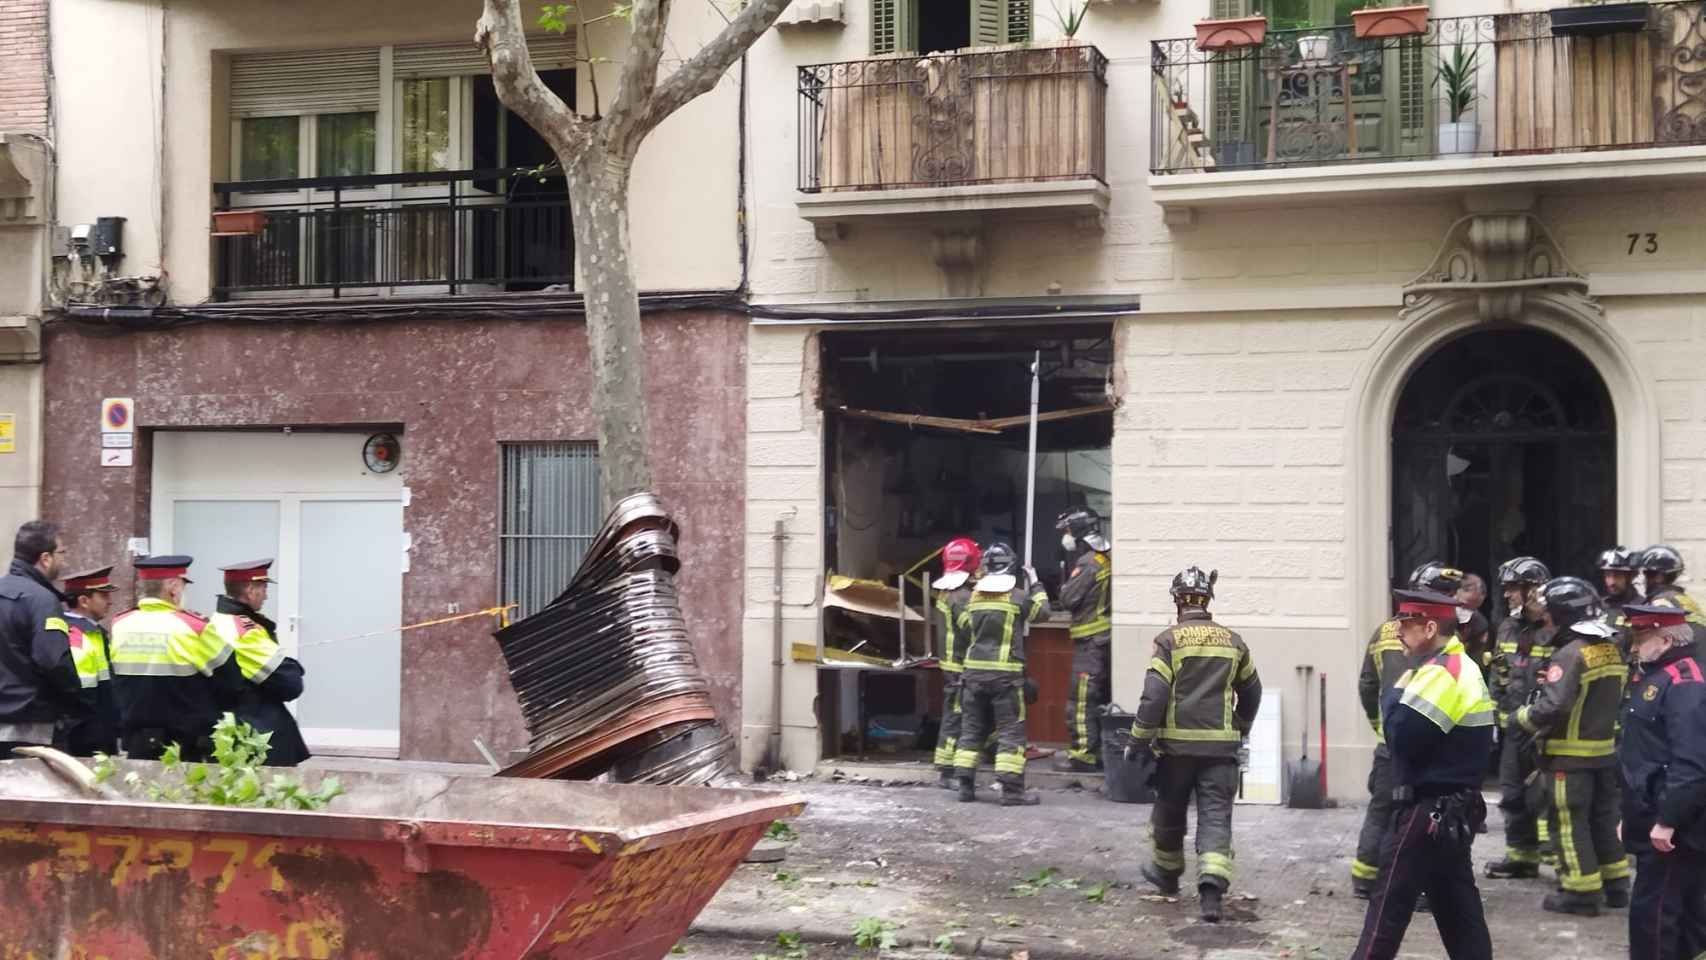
(38, 677)
(1661, 751)
(262, 704)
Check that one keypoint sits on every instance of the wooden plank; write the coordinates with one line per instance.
(1507, 90)
(1623, 90)
(1645, 129)
(1563, 94)
(1604, 90)
(1543, 93)
(1581, 62)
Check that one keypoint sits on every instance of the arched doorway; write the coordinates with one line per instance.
(1503, 444)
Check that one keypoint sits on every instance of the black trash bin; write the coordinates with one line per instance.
(1122, 781)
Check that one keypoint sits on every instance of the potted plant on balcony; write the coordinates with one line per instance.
(1231, 32)
(1400, 21)
(1457, 74)
(1595, 18)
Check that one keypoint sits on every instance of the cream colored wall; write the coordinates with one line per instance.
(106, 56)
(20, 470)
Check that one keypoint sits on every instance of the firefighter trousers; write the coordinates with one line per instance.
(1377, 819)
(1414, 861)
(989, 696)
(1214, 782)
(1086, 696)
(1586, 808)
(1525, 820)
(1667, 912)
(948, 735)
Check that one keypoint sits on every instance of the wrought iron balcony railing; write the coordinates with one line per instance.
(456, 231)
(1006, 115)
(1320, 96)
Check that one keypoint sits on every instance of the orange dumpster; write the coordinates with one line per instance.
(409, 866)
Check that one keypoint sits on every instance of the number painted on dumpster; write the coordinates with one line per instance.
(646, 886)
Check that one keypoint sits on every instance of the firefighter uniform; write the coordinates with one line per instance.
(993, 685)
(38, 675)
(1575, 717)
(1200, 696)
(95, 730)
(172, 677)
(273, 678)
(1086, 595)
(1383, 661)
(1521, 652)
(1438, 723)
(946, 612)
(1476, 634)
(1661, 757)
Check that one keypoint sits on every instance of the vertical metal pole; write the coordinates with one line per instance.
(1031, 462)
(781, 538)
(900, 657)
(336, 247)
(455, 231)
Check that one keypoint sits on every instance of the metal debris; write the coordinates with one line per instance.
(607, 678)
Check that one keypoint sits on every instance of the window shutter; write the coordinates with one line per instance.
(988, 22)
(885, 26)
(317, 81)
(1018, 21)
(552, 52)
(1224, 9)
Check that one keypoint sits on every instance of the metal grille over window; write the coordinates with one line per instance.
(550, 515)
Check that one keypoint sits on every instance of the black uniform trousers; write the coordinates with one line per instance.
(1586, 808)
(1667, 913)
(1087, 696)
(1522, 818)
(986, 696)
(1413, 861)
(1378, 819)
(1214, 782)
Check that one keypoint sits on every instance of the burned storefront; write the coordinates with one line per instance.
(928, 436)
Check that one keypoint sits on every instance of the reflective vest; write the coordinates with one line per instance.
(159, 640)
(1581, 694)
(1086, 594)
(1444, 695)
(949, 603)
(257, 653)
(88, 651)
(991, 622)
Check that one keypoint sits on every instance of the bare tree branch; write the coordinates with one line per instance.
(503, 35)
(626, 127)
(700, 73)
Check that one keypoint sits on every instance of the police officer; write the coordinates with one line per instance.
(993, 685)
(172, 676)
(1200, 697)
(1383, 661)
(1085, 594)
(1438, 719)
(274, 679)
(1524, 643)
(88, 601)
(38, 675)
(1575, 717)
(1661, 755)
(960, 557)
(1661, 566)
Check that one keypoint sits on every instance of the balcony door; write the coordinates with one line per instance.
(943, 26)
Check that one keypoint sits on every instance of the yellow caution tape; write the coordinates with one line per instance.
(502, 614)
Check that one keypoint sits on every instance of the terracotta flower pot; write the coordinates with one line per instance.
(229, 223)
(1233, 32)
(1390, 21)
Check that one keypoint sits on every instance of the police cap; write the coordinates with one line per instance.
(1652, 616)
(1425, 605)
(249, 571)
(99, 580)
(164, 568)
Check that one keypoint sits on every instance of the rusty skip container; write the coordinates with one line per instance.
(406, 865)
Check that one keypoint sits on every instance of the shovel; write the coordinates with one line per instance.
(1303, 776)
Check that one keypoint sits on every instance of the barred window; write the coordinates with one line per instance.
(550, 515)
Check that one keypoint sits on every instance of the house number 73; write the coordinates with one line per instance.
(1647, 243)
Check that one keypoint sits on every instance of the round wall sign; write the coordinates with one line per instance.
(381, 453)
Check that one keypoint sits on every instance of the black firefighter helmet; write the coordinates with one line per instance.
(1084, 526)
(1573, 604)
(1193, 583)
(1662, 558)
(1436, 577)
(1523, 570)
(1619, 558)
(999, 558)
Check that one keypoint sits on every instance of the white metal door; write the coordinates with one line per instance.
(219, 533)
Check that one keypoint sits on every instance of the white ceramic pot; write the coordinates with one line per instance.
(1314, 48)
(1460, 139)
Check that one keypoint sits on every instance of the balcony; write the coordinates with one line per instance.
(1322, 112)
(953, 137)
(449, 232)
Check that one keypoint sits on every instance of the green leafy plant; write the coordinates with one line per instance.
(1457, 74)
(679, 948)
(781, 831)
(787, 880)
(236, 778)
(943, 942)
(1097, 892)
(874, 933)
(1042, 880)
(1071, 20)
(791, 947)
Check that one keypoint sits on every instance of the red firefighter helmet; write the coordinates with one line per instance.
(961, 554)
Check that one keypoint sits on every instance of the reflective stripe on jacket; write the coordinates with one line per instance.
(946, 614)
(1201, 692)
(991, 622)
(1581, 692)
(1383, 660)
(1438, 719)
(1086, 595)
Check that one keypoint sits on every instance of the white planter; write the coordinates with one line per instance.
(1314, 48)
(1461, 139)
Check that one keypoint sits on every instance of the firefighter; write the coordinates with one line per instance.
(1383, 661)
(172, 677)
(1476, 632)
(1086, 595)
(1199, 698)
(1524, 643)
(1661, 756)
(1661, 567)
(38, 675)
(274, 679)
(993, 623)
(1617, 575)
(960, 557)
(1438, 719)
(88, 602)
(1575, 717)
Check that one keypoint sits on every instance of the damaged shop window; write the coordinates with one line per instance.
(928, 440)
